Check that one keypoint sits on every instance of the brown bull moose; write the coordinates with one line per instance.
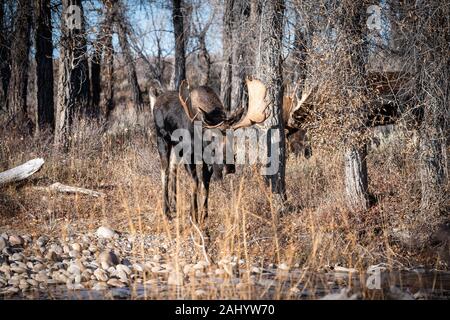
(179, 110)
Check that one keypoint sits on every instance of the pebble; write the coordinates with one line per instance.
(116, 283)
(175, 279)
(283, 267)
(3, 243)
(200, 293)
(105, 233)
(124, 268)
(108, 259)
(74, 269)
(15, 240)
(77, 247)
(99, 286)
(101, 275)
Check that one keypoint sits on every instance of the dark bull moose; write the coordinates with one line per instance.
(178, 110)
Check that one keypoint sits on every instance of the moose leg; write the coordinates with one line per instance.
(191, 169)
(164, 153)
(207, 172)
(173, 170)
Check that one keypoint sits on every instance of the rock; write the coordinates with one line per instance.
(38, 267)
(116, 283)
(200, 293)
(105, 233)
(283, 267)
(101, 275)
(138, 267)
(18, 270)
(74, 269)
(42, 241)
(219, 272)
(17, 257)
(122, 276)
(344, 294)
(255, 270)
(175, 279)
(77, 247)
(3, 243)
(52, 256)
(124, 268)
(15, 240)
(99, 286)
(74, 253)
(107, 259)
(56, 248)
(156, 258)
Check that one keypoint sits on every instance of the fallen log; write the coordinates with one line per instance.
(21, 172)
(62, 188)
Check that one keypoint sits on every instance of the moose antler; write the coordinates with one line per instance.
(257, 104)
(184, 91)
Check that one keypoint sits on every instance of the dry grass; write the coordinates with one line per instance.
(316, 232)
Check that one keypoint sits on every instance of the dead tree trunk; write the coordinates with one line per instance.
(227, 43)
(241, 21)
(356, 182)
(20, 49)
(434, 95)
(3, 55)
(44, 66)
(355, 167)
(270, 74)
(123, 31)
(107, 65)
(73, 83)
(180, 39)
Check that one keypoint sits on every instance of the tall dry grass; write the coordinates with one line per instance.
(316, 231)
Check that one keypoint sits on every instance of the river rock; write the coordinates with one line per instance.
(124, 268)
(3, 243)
(116, 283)
(107, 259)
(175, 279)
(100, 286)
(15, 240)
(105, 233)
(101, 275)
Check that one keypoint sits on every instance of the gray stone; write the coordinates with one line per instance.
(15, 240)
(105, 233)
(107, 259)
(3, 243)
(101, 275)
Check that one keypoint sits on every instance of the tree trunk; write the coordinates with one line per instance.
(241, 21)
(73, 83)
(355, 153)
(227, 43)
(180, 39)
(123, 33)
(107, 65)
(20, 49)
(356, 182)
(44, 66)
(3, 55)
(434, 95)
(270, 74)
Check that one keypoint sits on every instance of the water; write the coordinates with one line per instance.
(271, 284)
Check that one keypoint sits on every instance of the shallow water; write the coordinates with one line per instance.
(272, 284)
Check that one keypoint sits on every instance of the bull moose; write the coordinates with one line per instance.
(178, 110)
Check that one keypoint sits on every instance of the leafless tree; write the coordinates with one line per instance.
(20, 49)
(180, 42)
(269, 72)
(44, 66)
(73, 83)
